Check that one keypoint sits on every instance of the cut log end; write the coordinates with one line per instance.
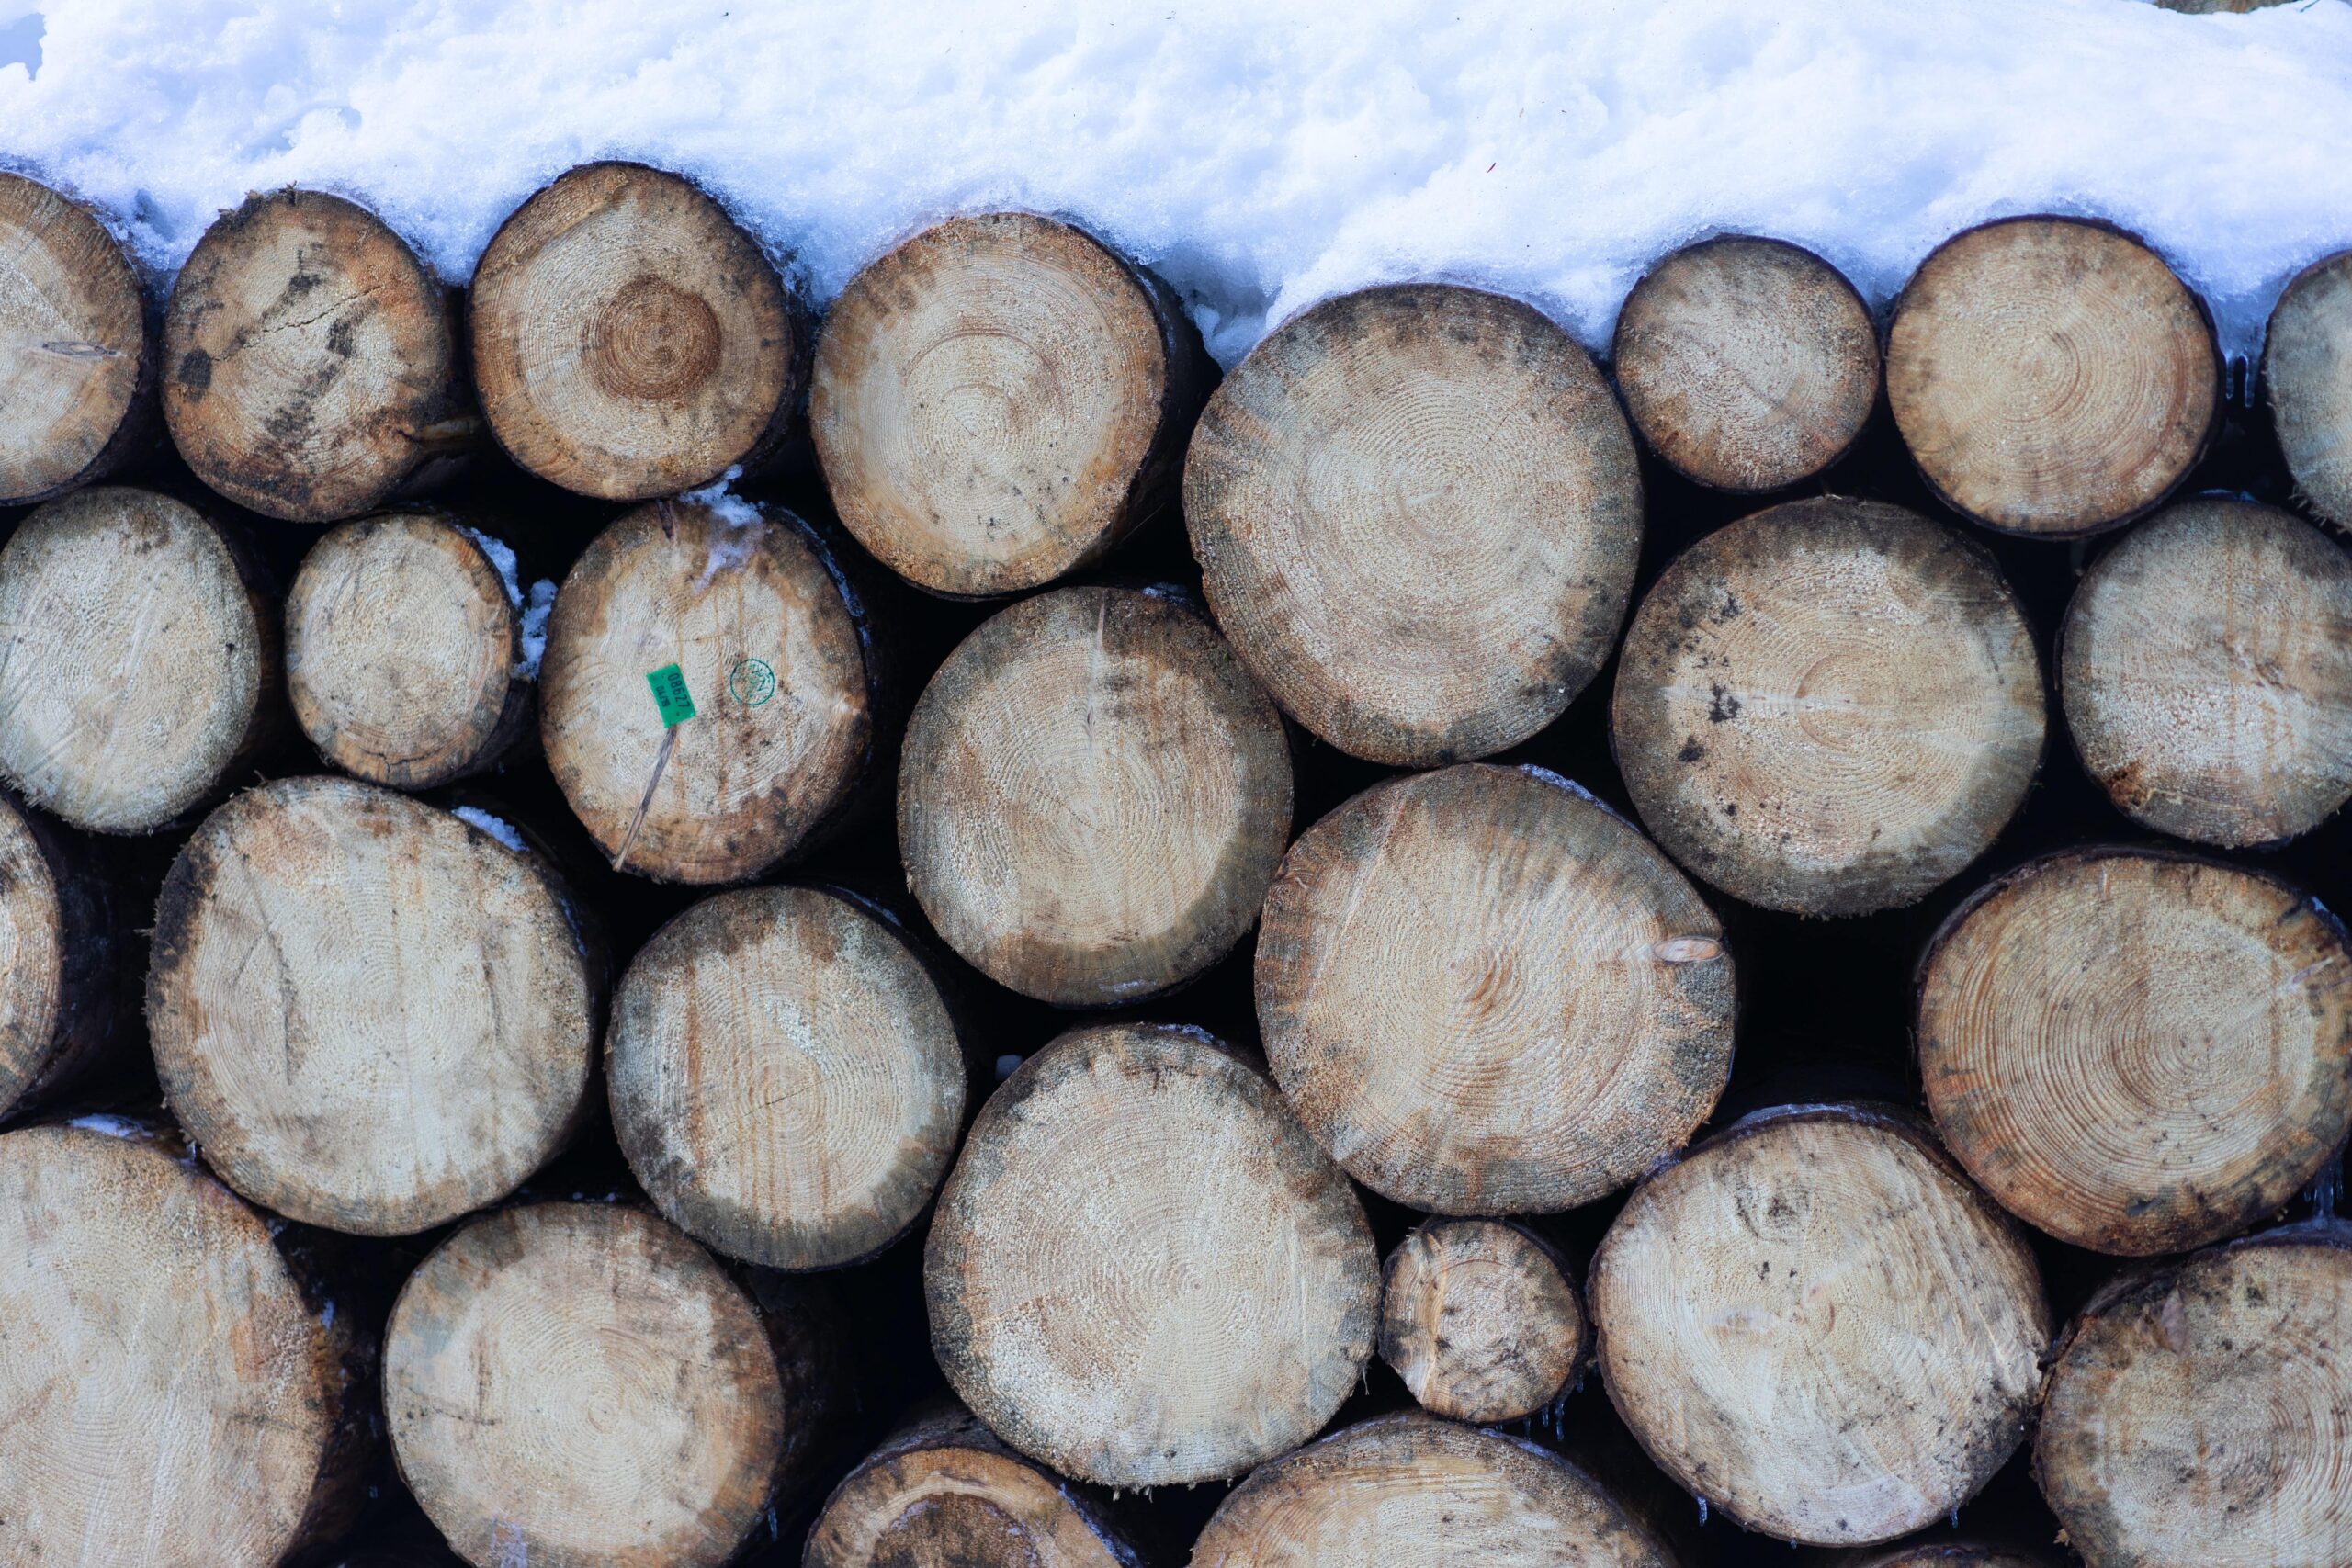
(785, 1080)
(325, 949)
(1093, 796)
(1813, 1322)
(2307, 377)
(1410, 1492)
(999, 400)
(1486, 993)
(75, 358)
(2207, 672)
(774, 663)
(403, 651)
(2051, 377)
(1417, 512)
(2196, 1413)
(172, 1394)
(1480, 1321)
(310, 366)
(575, 1383)
(2139, 1052)
(1830, 707)
(60, 978)
(142, 665)
(629, 340)
(1747, 364)
(1939, 1554)
(1142, 1271)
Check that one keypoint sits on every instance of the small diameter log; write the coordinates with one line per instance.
(570, 1384)
(1747, 364)
(2138, 1052)
(2197, 1413)
(629, 340)
(142, 670)
(1479, 1319)
(2307, 378)
(1093, 796)
(2051, 377)
(77, 363)
(944, 1492)
(1830, 707)
(1142, 1271)
(1813, 1322)
(1000, 400)
(311, 367)
(1407, 1491)
(785, 1080)
(406, 653)
(772, 647)
(369, 1014)
(1416, 511)
(1484, 993)
(2206, 666)
(62, 953)
(175, 1394)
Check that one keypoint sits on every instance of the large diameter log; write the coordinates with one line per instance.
(1000, 400)
(2198, 1414)
(1483, 992)
(174, 1393)
(944, 1491)
(1478, 1318)
(1747, 364)
(311, 367)
(1418, 511)
(629, 340)
(142, 670)
(785, 1080)
(1093, 796)
(2136, 1051)
(1830, 707)
(77, 362)
(405, 654)
(62, 950)
(2205, 670)
(2307, 378)
(1407, 1491)
(1936, 1554)
(2051, 377)
(1813, 1322)
(1142, 1271)
(577, 1384)
(369, 1014)
(772, 647)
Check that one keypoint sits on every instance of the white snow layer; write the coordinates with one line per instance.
(1261, 156)
(496, 826)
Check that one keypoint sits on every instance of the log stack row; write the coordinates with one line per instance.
(582, 868)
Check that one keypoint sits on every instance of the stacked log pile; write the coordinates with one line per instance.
(637, 927)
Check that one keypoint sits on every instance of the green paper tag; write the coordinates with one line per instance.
(670, 695)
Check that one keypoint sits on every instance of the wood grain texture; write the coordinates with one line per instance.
(1483, 992)
(1813, 1321)
(2202, 1413)
(77, 361)
(772, 646)
(176, 1393)
(1828, 707)
(1418, 511)
(2051, 377)
(1093, 796)
(578, 1385)
(629, 340)
(311, 367)
(2138, 1052)
(144, 659)
(1479, 1319)
(63, 952)
(786, 1082)
(1002, 398)
(1407, 1491)
(1747, 364)
(372, 1015)
(1142, 1271)
(2307, 379)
